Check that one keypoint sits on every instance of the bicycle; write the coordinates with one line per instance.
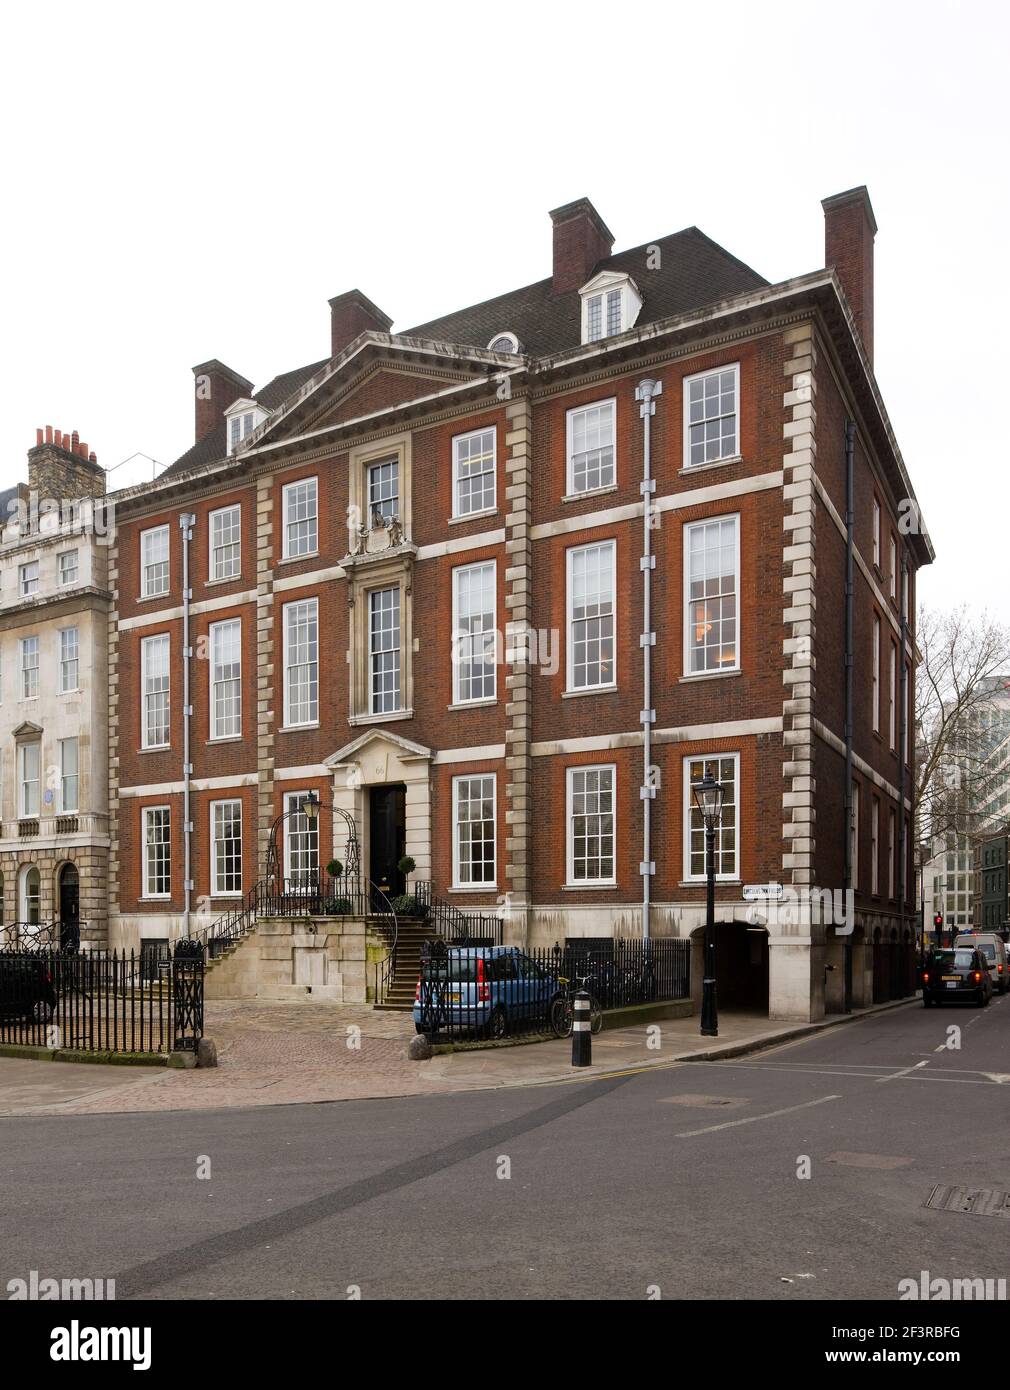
(563, 1007)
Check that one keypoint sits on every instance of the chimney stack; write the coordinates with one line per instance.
(61, 468)
(581, 241)
(353, 313)
(217, 387)
(849, 230)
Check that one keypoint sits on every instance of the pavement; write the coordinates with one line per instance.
(289, 1053)
(821, 1168)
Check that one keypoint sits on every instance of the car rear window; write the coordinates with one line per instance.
(963, 959)
(988, 949)
(461, 969)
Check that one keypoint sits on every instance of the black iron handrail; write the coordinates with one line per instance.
(452, 924)
(52, 935)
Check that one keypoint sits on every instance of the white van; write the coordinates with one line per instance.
(994, 950)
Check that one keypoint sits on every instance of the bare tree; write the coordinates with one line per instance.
(965, 663)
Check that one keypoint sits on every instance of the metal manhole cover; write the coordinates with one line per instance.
(697, 1102)
(974, 1201)
(858, 1160)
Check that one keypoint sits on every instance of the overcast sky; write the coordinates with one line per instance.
(188, 181)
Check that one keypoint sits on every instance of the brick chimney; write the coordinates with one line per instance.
(581, 240)
(353, 313)
(217, 387)
(849, 229)
(61, 467)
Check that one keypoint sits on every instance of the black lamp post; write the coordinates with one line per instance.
(708, 797)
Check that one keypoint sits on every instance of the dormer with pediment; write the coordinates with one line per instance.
(611, 303)
(241, 418)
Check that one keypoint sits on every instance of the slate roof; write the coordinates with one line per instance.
(693, 271)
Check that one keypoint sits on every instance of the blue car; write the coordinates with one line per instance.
(482, 989)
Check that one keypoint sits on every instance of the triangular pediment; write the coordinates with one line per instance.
(351, 752)
(28, 730)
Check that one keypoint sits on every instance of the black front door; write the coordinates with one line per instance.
(70, 907)
(387, 837)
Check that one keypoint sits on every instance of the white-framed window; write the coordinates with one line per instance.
(474, 816)
(591, 433)
(239, 426)
(725, 768)
(67, 561)
(854, 835)
(875, 846)
(301, 518)
(226, 679)
(226, 542)
(876, 533)
(610, 305)
(504, 342)
(876, 674)
(712, 416)
(474, 635)
(603, 309)
(69, 659)
(28, 579)
(891, 860)
(155, 680)
(29, 779)
(226, 848)
(29, 647)
(712, 592)
(892, 701)
(157, 851)
(69, 775)
(301, 843)
(591, 596)
(384, 489)
(894, 568)
(473, 472)
(591, 815)
(154, 561)
(384, 649)
(301, 662)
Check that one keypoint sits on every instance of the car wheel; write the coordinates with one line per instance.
(497, 1024)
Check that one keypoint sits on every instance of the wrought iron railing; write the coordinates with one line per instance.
(50, 935)
(450, 923)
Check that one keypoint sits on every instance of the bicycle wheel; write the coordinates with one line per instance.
(595, 1015)
(561, 1016)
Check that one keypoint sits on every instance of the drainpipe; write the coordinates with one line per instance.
(850, 601)
(646, 393)
(902, 739)
(186, 523)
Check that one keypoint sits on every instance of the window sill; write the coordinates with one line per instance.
(230, 897)
(156, 748)
(482, 515)
(485, 703)
(76, 691)
(689, 468)
(146, 898)
(589, 492)
(709, 676)
(594, 887)
(228, 738)
(591, 690)
(390, 718)
(297, 728)
(474, 888)
(294, 559)
(229, 579)
(153, 598)
(701, 882)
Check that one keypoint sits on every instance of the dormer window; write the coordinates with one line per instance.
(504, 342)
(241, 419)
(611, 304)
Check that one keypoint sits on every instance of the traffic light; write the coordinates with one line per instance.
(938, 921)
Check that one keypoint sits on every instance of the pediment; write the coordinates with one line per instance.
(383, 386)
(28, 730)
(406, 749)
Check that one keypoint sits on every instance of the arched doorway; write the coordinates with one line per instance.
(30, 896)
(70, 907)
(741, 965)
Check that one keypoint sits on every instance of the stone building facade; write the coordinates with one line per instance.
(54, 626)
(424, 578)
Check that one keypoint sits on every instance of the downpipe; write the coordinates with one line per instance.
(646, 393)
(186, 523)
(850, 598)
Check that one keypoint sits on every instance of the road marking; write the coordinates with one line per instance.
(802, 1070)
(904, 1072)
(753, 1119)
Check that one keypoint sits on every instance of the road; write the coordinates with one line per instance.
(684, 1179)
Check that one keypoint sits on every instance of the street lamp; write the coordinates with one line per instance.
(708, 795)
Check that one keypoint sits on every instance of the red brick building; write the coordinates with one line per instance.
(417, 575)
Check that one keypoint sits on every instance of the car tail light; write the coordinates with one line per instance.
(978, 977)
(483, 988)
(417, 992)
(925, 977)
(999, 970)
